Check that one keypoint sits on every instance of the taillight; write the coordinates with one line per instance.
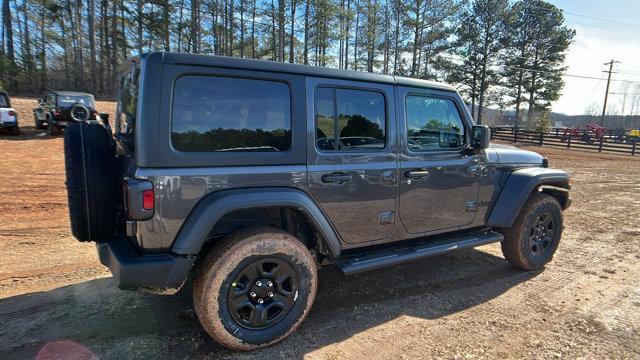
(139, 199)
(12, 113)
(148, 200)
(56, 113)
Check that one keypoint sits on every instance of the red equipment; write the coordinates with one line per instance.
(596, 129)
(593, 131)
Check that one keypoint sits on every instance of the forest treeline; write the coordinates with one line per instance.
(497, 52)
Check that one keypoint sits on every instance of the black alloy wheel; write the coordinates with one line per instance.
(541, 233)
(262, 293)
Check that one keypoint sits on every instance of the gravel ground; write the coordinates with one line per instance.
(57, 301)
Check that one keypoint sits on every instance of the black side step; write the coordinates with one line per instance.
(386, 257)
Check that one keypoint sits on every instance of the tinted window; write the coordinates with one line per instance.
(229, 114)
(355, 117)
(127, 108)
(67, 101)
(433, 123)
(4, 102)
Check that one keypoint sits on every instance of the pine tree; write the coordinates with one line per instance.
(481, 42)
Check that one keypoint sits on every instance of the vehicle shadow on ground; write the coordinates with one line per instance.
(28, 133)
(95, 318)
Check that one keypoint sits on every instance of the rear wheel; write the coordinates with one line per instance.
(15, 130)
(255, 288)
(535, 235)
(54, 130)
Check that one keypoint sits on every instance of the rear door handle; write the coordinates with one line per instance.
(336, 178)
(417, 174)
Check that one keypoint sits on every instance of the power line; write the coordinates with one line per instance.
(587, 16)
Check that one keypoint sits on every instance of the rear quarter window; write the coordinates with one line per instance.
(223, 114)
(127, 109)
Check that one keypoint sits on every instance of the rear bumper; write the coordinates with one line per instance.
(64, 123)
(8, 125)
(161, 274)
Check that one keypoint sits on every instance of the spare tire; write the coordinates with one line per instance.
(79, 112)
(92, 181)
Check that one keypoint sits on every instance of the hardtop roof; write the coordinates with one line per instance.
(266, 65)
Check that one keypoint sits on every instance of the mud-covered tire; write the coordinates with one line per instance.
(15, 130)
(92, 181)
(517, 245)
(216, 278)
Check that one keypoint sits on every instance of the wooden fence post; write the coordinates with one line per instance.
(569, 142)
(633, 149)
(515, 136)
(541, 137)
(600, 146)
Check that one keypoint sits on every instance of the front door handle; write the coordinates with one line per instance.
(417, 174)
(476, 170)
(336, 178)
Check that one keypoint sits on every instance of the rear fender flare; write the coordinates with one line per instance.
(213, 207)
(517, 188)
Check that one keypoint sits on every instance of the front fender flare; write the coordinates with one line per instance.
(213, 207)
(516, 190)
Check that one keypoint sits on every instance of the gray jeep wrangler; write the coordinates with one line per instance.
(248, 175)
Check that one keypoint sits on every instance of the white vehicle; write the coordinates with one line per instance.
(8, 115)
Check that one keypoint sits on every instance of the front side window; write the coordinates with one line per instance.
(213, 113)
(349, 119)
(4, 101)
(433, 123)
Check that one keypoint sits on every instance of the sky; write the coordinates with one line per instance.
(615, 35)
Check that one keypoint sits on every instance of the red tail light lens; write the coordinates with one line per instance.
(56, 113)
(148, 200)
(12, 113)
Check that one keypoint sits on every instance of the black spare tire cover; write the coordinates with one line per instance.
(92, 181)
(79, 112)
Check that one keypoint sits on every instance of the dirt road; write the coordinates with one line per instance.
(55, 298)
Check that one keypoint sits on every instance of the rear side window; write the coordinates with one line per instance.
(4, 101)
(433, 123)
(348, 119)
(127, 109)
(213, 113)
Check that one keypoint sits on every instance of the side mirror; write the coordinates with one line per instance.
(480, 137)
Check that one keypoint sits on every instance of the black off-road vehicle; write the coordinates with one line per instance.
(249, 174)
(59, 108)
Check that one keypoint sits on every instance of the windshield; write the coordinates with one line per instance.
(67, 101)
(127, 109)
(4, 101)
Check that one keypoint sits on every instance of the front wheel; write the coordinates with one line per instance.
(255, 288)
(535, 235)
(39, 124)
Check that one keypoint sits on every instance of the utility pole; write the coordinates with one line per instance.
(606, 94)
